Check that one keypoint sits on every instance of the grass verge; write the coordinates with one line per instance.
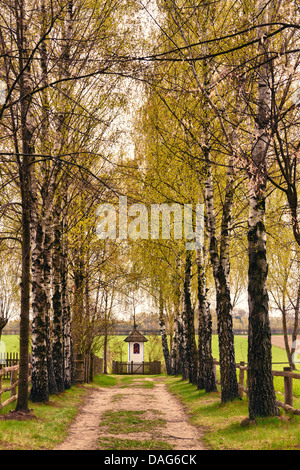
(48, 427)
(221, 423)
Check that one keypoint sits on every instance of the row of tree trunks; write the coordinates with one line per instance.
(58, 356)
(51, 359)
(42, 242)
(194, 364)
(261, 389)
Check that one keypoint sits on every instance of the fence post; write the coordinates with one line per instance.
(87, 360)
(13, 380)
(91, 367)
(242, 378)
(80, 368)
(288, 387)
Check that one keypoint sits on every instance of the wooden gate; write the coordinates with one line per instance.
(86, 366)
(136, 368)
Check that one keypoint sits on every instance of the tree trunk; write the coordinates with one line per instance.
(220, 266)
(47, 252)
(69, 372)
(262, 400)
(181, 346)
(164, 338)
(57, 299)
(206, 377)
(22, 401)
(189, 326)
(78, 305)
(25, 168)
(175, 367)
(105, 349)
(176, 354)
(229, 382)
(39, 377)
(3, 323)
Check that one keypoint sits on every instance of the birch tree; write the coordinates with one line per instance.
(26, 166)
(206, 377)
(23, 155)
(201, 82)
(163, 333)
(262, 400)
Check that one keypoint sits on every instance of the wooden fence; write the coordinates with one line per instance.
(9, 360)
(132, 368)
(12, 372)
(288, 374)
(86, 366)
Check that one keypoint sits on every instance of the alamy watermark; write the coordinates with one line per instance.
(158, 221)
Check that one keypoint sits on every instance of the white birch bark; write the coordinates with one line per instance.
(219, 254)
(39, 380)
(176, 352)
(221, 270)
(206, 378)
(175, 347)
(62, 340)
(262, 400)
(163, 335)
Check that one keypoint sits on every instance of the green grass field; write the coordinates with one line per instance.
(153, 350)
(279, 357)
(11, 343)
(241, 344)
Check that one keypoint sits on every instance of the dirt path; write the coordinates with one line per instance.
(157, 402)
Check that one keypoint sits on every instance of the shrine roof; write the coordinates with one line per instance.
(136, 337)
